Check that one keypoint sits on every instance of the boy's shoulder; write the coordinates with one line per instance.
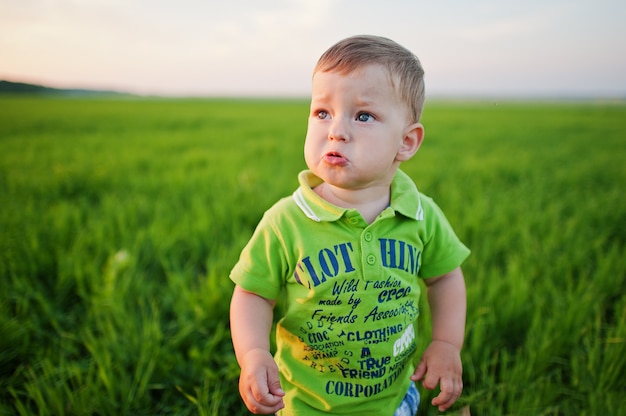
(302, 207)
(288, 210)
(285, 206)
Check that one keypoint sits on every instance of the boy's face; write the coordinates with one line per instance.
(359, 129)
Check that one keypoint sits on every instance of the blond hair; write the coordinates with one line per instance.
(353, 53)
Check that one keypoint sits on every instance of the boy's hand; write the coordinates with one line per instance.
(441, 364)
(259, 383)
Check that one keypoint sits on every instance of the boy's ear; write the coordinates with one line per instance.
(413, 137)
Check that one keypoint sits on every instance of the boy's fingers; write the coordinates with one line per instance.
(450, 392)
(259, 384)
(419, 371)
(262, 401)
(273, 382)
(262, 392)
(276, 390)
(260, 409)
(430, 381)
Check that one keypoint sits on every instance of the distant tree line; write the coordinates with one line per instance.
(9, 87)
(20, 87)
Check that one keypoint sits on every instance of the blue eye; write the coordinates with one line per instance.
(364, 117)
(322, 114)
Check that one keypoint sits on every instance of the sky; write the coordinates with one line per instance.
(550, 48)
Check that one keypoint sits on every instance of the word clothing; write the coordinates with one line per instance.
(347, 335)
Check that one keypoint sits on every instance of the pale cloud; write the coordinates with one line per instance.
(523, 26)
(269, 48)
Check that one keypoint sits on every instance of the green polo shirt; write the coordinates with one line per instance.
(346, 341)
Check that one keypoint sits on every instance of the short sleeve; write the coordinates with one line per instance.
(262, 266)
(443, 250)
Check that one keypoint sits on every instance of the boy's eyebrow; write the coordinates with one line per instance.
(359, 101)
(322, 98)
(364, 102)
(324, 101)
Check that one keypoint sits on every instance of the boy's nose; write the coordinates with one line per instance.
(339, 130)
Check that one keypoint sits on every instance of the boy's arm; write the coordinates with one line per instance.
(251, 322)
(441, 362)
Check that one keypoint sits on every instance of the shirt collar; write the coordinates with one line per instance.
(405, 199)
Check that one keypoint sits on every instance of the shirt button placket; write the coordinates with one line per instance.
(369, 250)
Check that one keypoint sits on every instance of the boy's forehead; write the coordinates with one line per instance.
(352, 70)
(368, 77)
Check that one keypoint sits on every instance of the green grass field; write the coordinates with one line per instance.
(121, 218)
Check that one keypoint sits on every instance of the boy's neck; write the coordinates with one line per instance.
(370, 202)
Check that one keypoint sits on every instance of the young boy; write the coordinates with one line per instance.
(346, 250)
